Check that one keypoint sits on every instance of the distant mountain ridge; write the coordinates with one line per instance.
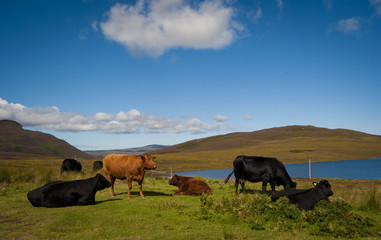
(129, 151)
(247, 139)
(14, 139)
(290, 144)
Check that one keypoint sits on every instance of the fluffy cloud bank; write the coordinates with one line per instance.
(124, 122)
(347, 26)
(152, 27)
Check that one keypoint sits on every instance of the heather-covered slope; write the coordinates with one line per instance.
(15, 139)
(291, 144)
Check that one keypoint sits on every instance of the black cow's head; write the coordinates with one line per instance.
(102, 182)
(324, 186)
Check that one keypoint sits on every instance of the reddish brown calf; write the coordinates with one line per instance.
(190, 186)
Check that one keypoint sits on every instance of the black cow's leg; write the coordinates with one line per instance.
(264, 185)
(243, 186)
(236, 185)
(273, 188)
(86, 201)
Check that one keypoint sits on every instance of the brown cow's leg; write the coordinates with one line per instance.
(180, 193)
(141, 190)
(129, 182)
(111, 179)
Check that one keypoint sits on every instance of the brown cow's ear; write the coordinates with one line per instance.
(143, 158)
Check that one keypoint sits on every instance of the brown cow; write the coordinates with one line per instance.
(189, 186)
(130, 167)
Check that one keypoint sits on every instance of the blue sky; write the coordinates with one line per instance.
(116, 74)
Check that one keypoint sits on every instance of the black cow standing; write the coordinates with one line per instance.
(71, 165)
(68, 193)
(306, 198)
(98, 165)
(260, 169)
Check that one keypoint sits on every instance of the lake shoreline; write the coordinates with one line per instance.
(365, 169)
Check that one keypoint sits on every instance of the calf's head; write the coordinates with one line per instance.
(148, 161)
(324, 186)
(175, 181)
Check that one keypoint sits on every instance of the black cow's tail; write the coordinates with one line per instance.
(228, 177)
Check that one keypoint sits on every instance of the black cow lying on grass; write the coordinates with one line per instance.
(306, 198)
(68, 193)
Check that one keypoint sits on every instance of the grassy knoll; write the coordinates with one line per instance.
(295, 151)
(164, 216)
(292, 144)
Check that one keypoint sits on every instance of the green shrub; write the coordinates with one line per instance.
(339, 220)
(335, 218)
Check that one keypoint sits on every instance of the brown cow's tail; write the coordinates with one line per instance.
(100, 170)
(228, 177)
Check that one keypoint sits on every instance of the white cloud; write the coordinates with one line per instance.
(133, 114)
(94, 25)
(347, 26)
(220, 118)
(153, 27)
(279, 4)
(103, 116)
(255, 15)
(328, 4)
(248, 117)
(377, 6)
(133, 121)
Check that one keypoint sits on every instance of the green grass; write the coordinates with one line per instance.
(164, 216)
(300, 151)
(196, 142)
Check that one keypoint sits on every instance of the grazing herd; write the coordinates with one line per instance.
(133, 167)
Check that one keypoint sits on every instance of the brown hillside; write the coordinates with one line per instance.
(15, 139)
(291, 144)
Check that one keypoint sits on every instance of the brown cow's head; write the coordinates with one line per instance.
(148, 161)
(175, 180)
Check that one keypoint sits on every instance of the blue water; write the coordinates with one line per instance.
(349, 169)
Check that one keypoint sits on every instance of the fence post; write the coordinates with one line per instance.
(309, 167)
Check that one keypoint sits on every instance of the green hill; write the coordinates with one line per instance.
(128, 151)
(290, 144)
(14, 140)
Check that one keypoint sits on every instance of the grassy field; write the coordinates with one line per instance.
(356, 213)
